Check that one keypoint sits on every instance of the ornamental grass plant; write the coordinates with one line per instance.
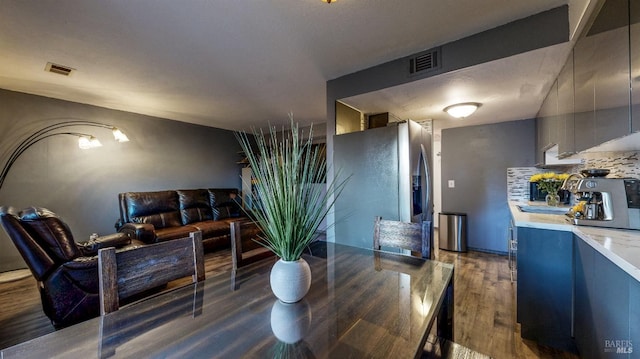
(288, 200)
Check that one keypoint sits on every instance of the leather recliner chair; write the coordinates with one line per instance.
(66, 271)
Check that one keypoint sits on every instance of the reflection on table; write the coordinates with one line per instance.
(362, 303)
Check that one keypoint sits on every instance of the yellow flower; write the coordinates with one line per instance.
(579, 207)
(549, 182)
(535, 178)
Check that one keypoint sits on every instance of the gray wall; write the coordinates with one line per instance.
(82, 185)
(477, 158)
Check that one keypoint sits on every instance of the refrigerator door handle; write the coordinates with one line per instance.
(427, 191)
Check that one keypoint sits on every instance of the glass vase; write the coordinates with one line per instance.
(553, 200)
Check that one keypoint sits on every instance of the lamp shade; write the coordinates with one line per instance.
(462, 110)
(119, 135)
(87, 142)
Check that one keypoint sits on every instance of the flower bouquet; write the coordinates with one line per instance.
(550, 182)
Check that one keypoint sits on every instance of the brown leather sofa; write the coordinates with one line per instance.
(153, 217)
(66, 271)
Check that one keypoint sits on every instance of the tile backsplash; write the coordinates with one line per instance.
(621, 164)
(518, 182)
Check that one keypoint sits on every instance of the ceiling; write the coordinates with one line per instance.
(235, 64)
(508, 89)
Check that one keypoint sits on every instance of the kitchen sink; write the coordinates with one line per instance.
(544, 209)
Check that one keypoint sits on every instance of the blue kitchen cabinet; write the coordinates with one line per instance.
(634, 317)
(545, 286)
(612, 305)
(584, 322)
(606, 306)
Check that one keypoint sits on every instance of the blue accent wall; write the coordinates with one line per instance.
(477, 158)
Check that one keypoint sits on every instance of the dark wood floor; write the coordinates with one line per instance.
(485, 318)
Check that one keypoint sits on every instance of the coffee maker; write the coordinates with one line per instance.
(609, 202)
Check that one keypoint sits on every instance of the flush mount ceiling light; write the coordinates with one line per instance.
(329, 1)
(462, 110)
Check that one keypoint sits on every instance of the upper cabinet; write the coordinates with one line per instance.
(546, 126)
(596, 97)
(566, 128)
(601, 78)
(548, 120)
(634, 33)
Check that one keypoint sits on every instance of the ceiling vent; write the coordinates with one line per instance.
(425, 61)
(58, 69)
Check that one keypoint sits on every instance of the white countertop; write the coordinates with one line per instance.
(622, 247)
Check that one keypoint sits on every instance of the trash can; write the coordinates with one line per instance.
(452, 234)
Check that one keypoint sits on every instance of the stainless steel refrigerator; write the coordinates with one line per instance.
(391, 178)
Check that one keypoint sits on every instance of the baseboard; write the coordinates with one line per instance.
(484, 250)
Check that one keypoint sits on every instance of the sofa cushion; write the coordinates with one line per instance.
(161, 209)
(213, 228)
(225, 203)
(160, 220)
(195, 205)
(169, 233)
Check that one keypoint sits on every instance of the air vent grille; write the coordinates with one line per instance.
(58, 69)
(426, 61)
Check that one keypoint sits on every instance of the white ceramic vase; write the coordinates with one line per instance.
(290, 280)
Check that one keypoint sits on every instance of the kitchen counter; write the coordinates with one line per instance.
(622, 247)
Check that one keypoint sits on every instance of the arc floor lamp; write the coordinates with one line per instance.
(85, 141)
